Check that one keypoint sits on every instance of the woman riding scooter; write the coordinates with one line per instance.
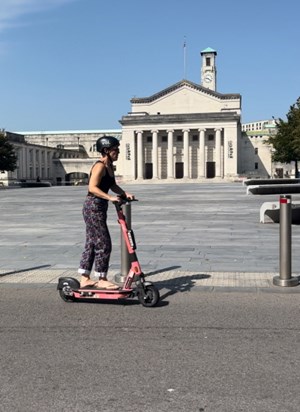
(98, 242)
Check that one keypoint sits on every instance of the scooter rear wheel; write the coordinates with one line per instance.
(151, 296)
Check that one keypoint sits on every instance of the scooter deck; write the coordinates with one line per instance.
(98, 290)
(94, 293)
(93, 288)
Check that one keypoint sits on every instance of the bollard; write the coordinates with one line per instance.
(125, 264)
(285, 242)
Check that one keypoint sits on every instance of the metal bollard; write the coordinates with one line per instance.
(285, 242)
(125, 264)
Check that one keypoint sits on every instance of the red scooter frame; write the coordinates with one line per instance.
(148, 295)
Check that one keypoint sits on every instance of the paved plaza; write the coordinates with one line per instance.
(188, 234)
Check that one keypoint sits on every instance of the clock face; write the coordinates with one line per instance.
(208, 78)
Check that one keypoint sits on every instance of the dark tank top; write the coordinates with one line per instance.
(106, 183)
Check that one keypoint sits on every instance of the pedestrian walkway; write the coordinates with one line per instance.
(201, 236)
(173, 279)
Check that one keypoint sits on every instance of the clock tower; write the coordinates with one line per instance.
(208, 69)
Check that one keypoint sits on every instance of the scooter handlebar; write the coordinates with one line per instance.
(123, 200)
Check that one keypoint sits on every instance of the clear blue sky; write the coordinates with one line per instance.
(75, 64)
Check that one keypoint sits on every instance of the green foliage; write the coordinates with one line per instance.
(8, 158)
(286, 142)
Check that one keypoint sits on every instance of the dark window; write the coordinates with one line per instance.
(256, 166)
(179, 138)
(207, 61)
(164, 139)
(256, 150)
(195, 138)
(211, 137)
(149, 139)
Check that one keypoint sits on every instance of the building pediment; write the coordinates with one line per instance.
(184, 84)
(186, 97)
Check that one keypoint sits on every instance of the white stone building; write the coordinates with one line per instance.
(255, 155)
(38, 162)
(34, 162)
(186, 131)
(75, 152)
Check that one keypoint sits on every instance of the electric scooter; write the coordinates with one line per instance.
(134, 284)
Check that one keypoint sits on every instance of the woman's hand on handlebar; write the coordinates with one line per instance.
(129, 196)
(122, 198)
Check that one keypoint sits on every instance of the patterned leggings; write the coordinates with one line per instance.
(98, 242)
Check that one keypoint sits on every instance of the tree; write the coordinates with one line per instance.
(286, 142)
(8, 158)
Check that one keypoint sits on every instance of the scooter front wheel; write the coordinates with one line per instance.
(66, 298)
(150, 297)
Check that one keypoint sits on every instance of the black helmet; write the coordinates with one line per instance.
(106, 142)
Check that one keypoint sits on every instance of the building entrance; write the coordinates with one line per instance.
(148, 170)
(179, 170)
(210, 170)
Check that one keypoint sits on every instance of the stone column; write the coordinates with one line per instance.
(27, 160)
(218, 152)
(16, 173)
(186, 163)
(155, 153)
(202, 166)
(40, 163)
(45, 164)
(23, 164)
(34, 163)
(170, 155)
(50, 163)
(140, 157)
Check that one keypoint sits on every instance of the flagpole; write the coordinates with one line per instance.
(184, 58)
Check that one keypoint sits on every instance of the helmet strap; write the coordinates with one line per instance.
(106, 153)
(109, 158)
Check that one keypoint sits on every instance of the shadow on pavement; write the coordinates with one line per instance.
(167, 269)
(179, 284)
(13, 272)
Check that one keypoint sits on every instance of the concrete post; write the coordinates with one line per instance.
(285, 259)
(125, 264)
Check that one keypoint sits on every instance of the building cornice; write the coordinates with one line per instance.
(179, 118)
